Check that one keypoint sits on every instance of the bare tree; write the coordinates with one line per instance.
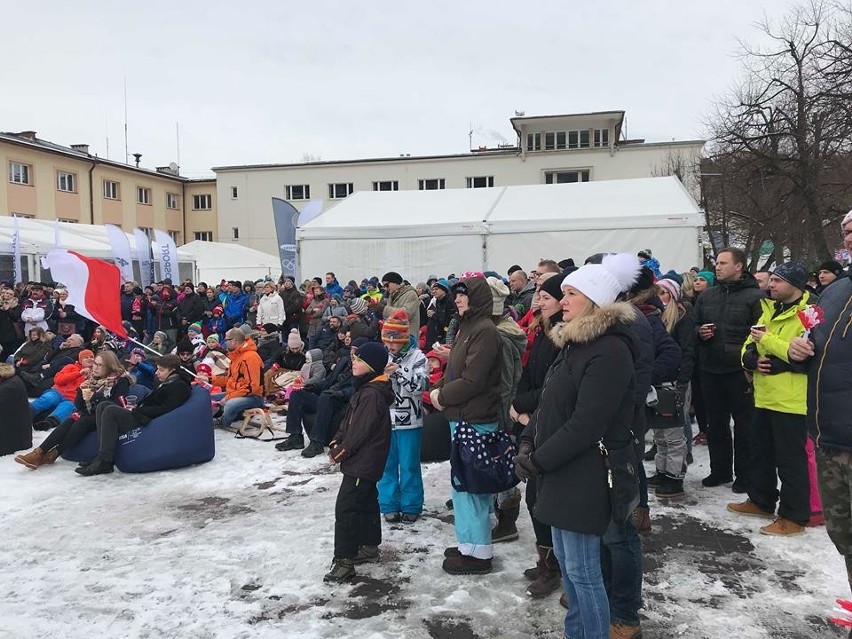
(783, 137)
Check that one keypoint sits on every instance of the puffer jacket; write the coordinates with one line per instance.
(784, 391)
(513, 343)
(244, 376)
(270, 310)
(542, 354)
(470, 388)
(408, 383)
(588, 396)
(68, 380)
(733, 308)
(829, 399)
(361, 444)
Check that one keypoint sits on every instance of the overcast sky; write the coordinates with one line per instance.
(257, 82)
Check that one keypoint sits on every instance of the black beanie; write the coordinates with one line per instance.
(513, 268)
(374, 354)
(553, 284)
(184, 346)
(392, 277)
(831, 266)
(566, 263)
(794, 273)
(645, 281)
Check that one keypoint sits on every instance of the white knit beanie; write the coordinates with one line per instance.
(846, 218)
(602, 283)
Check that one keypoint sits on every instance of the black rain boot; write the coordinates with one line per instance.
(46, 424)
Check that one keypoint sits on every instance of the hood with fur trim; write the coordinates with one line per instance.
(588, 328)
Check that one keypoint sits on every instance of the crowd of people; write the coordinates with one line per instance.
(573, 363)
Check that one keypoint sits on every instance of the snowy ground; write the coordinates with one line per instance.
(238, 547)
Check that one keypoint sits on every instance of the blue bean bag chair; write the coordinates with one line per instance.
(180, 438)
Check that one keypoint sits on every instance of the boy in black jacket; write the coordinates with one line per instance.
(361, 448)
(113, 420)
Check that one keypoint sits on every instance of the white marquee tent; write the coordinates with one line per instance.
(418, 233)
(201, 261)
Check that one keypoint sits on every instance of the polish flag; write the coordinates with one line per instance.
(94, 287)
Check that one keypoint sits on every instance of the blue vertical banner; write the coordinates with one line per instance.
(145, 257)
(286, 218)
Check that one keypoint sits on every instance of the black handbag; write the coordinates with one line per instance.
(667, 412)
(622, 479)
(482, 463)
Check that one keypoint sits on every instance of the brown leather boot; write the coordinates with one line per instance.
(549, 576)
(642, 520)
(32, 459)
(51, 455)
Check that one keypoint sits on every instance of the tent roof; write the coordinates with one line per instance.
(218, 260)
(38, 237)
(608, 204)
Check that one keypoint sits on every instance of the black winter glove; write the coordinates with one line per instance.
(335, 394)
(524, 467)
(525, 448)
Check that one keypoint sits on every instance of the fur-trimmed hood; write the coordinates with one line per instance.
(590, 327)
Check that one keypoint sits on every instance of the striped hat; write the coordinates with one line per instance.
(358, 306)
(395, 328)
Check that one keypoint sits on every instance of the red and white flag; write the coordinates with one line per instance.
(94, 287)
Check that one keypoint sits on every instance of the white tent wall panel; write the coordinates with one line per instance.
(413, 258)
(676, 248)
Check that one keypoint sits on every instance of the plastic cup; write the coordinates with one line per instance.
(130, 401)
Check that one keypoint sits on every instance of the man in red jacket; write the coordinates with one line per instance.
(59, 398)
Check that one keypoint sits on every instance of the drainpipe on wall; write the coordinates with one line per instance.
(183, 209)
(92, 195)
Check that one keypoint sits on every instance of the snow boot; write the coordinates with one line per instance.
(51, 455)
(507, 515)
(293, 442)
(750, 509)
(452, 551)
(46, 424)
(783, 528)
(625, 631)
(366, 554)
(549, 576)
(466, 565)
(341, 570)
(656, 479)
(651, 454)
(32, 459)
(393, 518)
(409, 518)
(97, 467)
(670, 488)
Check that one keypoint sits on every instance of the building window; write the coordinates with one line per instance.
(340, 190)
(146, 230)
(566, 177)
(111, 190)
(235, 232)
(601, 137)
(19, 173)
(480, 182)
(533, 141)
(171, 200)
(25, 216)
(387, 185)
(67, 221)
(175, 235)
(143, 195)
(203, 202)
(297, 192)
(432, 184)
(66, 182)
(584, 139)
(234, 193)
(204, 236)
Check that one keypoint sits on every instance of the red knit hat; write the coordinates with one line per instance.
(395, 328)
(203, 368)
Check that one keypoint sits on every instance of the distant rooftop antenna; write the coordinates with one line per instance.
(126, 148)
(138, 158)
(519, 114)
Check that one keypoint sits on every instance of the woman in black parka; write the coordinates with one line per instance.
(587, 397)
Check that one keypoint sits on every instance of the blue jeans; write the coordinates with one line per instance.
(234, 407)
(622, 571)
(472, 513)
(579, 557)
(52, 400)
(401, 485)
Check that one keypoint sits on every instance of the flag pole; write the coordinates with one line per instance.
(152, 351)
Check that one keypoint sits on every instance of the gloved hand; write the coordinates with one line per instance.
(335, 394)
(525, 448)
(524, 467)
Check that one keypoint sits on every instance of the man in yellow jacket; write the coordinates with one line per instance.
(779, 434)
(243, 383)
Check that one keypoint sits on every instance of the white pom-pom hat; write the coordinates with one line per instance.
(602, 283)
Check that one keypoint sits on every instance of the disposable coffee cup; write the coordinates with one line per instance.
(759, 327)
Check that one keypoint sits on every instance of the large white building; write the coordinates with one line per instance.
(551, 149)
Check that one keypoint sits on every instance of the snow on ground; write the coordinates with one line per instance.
(238, 547)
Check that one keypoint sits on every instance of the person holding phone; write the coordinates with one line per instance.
(778, 436)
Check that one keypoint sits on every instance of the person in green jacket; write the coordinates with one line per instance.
(778, 435)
